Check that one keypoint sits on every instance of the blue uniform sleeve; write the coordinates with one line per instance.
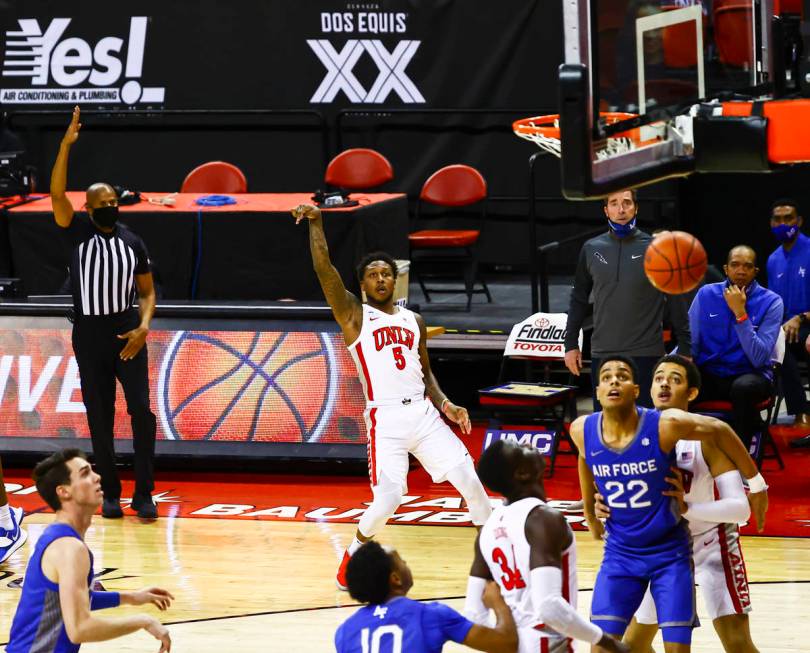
(104, 600)
(694, 326)
(339, 639)
(439, 620)
(758, 344)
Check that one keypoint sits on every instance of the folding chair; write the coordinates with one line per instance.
(537, 339)
(215, 177)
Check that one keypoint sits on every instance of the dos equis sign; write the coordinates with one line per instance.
(59, 63)
(541, 335)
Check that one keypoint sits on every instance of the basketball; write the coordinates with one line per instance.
(675, 262)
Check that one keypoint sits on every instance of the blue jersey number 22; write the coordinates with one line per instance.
(617, 491)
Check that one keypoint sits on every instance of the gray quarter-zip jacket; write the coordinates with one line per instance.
(627, 310)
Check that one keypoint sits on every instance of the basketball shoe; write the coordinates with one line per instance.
(13, 538)
(340, 580)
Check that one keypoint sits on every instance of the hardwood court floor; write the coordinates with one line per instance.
(268, 586)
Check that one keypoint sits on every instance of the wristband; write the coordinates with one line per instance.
(757, 484)
(444, 401)
(742, 318)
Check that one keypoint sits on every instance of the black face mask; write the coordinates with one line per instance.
(105, 216)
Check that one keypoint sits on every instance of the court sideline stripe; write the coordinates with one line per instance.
(357, 605)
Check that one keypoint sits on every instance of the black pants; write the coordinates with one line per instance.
(795, 397)
(97, 353)
(645, 366)
(745, 393)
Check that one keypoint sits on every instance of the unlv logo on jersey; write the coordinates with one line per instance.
(393, 335)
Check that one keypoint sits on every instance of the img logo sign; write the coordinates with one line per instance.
(543, 441)
(340, 62)
(70, 69)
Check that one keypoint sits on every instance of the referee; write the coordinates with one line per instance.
(107, 264)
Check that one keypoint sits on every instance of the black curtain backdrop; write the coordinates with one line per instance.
(380, 58)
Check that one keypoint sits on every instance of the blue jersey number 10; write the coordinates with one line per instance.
(373, 646)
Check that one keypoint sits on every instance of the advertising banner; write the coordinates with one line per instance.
(238, 386)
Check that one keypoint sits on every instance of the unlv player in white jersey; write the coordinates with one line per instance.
(530, 551)
(719, 566)
(387, 343)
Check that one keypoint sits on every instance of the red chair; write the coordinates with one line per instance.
(732, 33)
(359, 169)
(215, 177)
(452, 186)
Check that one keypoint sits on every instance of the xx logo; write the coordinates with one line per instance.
(391, 74)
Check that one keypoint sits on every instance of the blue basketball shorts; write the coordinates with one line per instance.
(622, 581)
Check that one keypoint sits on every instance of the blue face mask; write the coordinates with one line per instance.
(622, 230)
(785, 232)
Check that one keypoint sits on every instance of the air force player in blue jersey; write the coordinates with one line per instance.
(627, 451)
(54, 612)
(393, 623)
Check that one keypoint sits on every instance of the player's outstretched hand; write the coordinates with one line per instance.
(160, 598)
(306, 212)
(72, 133)
(759, 506)
(677, 491)
(159, 632)
(492, 595)
(607, 643)
(600, 507)
(459, 415)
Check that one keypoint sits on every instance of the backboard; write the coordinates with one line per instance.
(656, 59)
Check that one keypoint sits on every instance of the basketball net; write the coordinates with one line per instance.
(544, 131)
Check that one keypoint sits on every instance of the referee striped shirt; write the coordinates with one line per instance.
(103, 267)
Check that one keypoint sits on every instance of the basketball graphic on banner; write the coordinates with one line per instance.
(247, 386)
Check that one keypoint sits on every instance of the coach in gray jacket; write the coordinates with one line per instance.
(627, 310)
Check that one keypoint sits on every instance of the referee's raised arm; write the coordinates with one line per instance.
(62, 208)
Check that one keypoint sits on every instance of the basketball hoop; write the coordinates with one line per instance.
(544, 131)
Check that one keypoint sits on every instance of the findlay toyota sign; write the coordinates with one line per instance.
(60, 68)
(364, 30)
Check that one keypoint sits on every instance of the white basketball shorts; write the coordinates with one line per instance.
(417, 428)
(532, 641)
(719, 574)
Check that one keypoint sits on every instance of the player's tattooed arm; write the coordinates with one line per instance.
(454, 413)
(345, 306)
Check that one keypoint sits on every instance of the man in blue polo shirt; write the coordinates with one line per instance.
(788, 268)
(735, 325)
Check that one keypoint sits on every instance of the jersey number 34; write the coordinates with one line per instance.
(511, 579)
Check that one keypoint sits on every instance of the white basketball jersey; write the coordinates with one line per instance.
(505, 548)
(698, 480)
(386, 354)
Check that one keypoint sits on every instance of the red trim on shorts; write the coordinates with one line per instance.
(745, 571)
(362, 359)
(372, 449)
(732, 588)
(544, 645)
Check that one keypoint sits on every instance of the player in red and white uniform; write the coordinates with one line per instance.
(530, 551)
(388, 345)
(713, 523)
